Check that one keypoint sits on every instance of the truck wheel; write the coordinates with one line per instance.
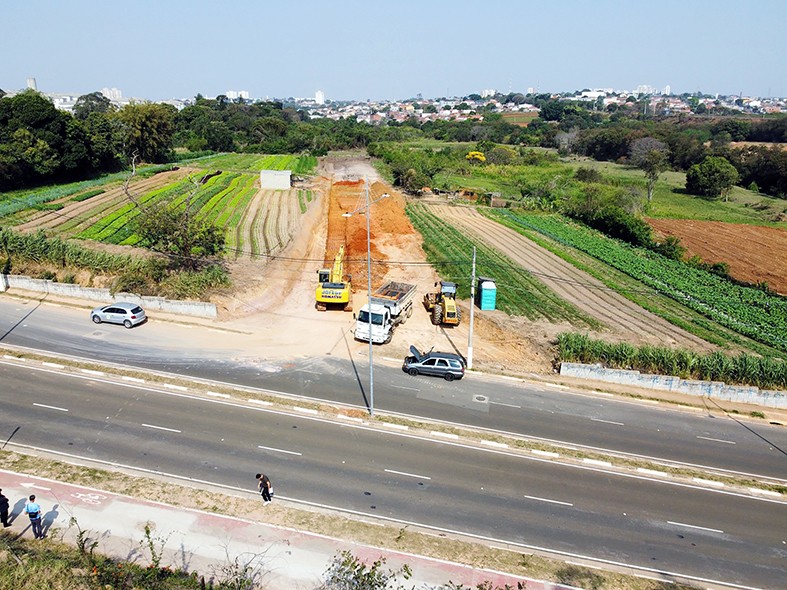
(388, 338)
(458, 314)
(413, 372)
(437, 315)
(409, 311)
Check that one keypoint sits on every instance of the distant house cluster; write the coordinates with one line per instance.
(464, 108)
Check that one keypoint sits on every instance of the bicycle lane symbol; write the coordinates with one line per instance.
(90, 498)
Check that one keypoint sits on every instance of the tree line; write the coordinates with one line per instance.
(40, 144)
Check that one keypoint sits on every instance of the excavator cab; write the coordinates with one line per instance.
(333, 288)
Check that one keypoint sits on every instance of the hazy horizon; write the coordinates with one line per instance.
(357, 50)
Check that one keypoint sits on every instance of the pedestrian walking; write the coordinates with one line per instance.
(4, 504)
(34, 512)
(265, 486)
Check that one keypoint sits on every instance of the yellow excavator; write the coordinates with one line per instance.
(334, 290)
(442, 305)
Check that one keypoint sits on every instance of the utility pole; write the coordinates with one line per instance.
(472, 307)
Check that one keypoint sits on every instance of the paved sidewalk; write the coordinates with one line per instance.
(203, 542)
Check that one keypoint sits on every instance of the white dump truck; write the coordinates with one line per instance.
(391, 305)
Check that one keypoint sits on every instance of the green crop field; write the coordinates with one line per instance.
(257, 162)
(451, 251)
(748, 311)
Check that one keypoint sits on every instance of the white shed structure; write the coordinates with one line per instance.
(275, 179)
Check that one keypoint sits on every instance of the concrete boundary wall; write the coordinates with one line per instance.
(715, 389)
(200, 309)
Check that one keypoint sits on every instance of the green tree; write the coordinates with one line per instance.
(712, 179)
(652, 157)
(175, 228)
(147, 130)
(95, 102)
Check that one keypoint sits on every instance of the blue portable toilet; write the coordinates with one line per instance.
(486, 293)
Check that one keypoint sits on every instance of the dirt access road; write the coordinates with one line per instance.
(276, 296)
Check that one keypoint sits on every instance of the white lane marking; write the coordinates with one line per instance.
(92, 372)
(14, 358)
(506, 405)
(407, 474)
(34, 486)
(216, 394)
(445, 434)
(279, 450)
(607, 421)
(493, 443)
(597, 462)
(132, 379)
(306, 410)
(729, 442)
(545, 453)
(175, 387)
(53, 365)
(708, 482)
(404, 387)
(691, 526)
(50, 407)
(548, 500)
(161, 428)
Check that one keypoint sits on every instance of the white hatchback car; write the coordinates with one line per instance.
(128, 314)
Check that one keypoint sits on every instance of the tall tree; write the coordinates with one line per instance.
(652, 157)
(147, 130)
(95, 102)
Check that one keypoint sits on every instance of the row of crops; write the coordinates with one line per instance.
(17, 201)
(749, 311)
(746, 369)
(222, 199)
(256, 162)
(450, 251)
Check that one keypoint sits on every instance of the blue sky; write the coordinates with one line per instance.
(355, 49)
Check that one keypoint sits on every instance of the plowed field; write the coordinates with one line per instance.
(620, 315)
(754, 253)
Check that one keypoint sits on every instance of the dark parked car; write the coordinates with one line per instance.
(447, 365)
(128, 314)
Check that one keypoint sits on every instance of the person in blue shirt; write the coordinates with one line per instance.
(34, 512)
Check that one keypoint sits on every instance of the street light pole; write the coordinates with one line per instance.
(369, 295)
(368, 206)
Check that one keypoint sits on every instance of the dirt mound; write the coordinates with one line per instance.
(755, 254)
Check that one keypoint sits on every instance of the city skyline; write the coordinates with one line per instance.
(353, 50)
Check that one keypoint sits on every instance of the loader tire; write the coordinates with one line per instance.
(437, 315)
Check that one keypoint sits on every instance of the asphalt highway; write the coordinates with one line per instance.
(702, 439)
(528, 502)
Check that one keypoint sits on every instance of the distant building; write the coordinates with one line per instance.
(319, 97)
(275, 179)
(486, 93)
(31, 83)
(112, 93)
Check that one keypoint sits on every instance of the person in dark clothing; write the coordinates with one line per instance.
(4, 509)
(265, 487)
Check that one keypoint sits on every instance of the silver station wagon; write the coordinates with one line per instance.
(447, 365)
